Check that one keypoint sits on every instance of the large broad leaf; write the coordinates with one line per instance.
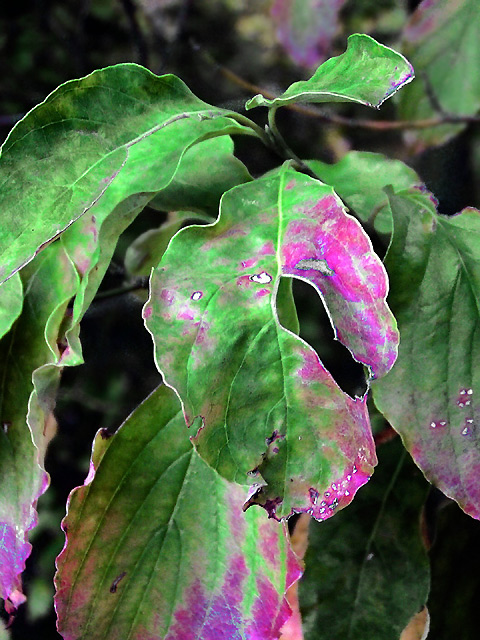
(306, 27)
(431, 396)
(61, 158)
(360, 177)
(370, 562)
(271, 412)
(442, 41)
(30, 363)
(368, 73)
(157, 545)
(11, 301)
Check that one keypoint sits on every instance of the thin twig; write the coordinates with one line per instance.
(354, 123)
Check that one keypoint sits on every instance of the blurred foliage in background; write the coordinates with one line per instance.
(226, 51)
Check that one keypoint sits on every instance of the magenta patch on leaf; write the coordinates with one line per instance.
(330, 250)
(14, 551)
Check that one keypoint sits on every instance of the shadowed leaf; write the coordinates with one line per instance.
(441, 39)
(431, 396)
(271, 412)
(369, 563)
(30, 364)
(368, 73)
(306, 27)
(157, 545)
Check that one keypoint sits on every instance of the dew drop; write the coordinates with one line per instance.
(321, 510)
(442, 423)
(466, 431)
(369, 557)
(326, 494)
(323, 504)
(349, 477)
(354, 470)
(469, 392)
(261, 278)
(196, 295)
(347, 493)
(299, 437)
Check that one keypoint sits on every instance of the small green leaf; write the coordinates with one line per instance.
(11, 301)
(431, 396)
(368, 73)
(158, 546)
(119, 126)
(442, 41)
(367, 570)
(360, 177)
(271, 412)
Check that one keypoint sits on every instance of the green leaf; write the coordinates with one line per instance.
(31, 358)
(441, 39)
(206, 171)
(11, 301)
(360, 177)
(369, 563)
(306, 27)
(271, 412)
(431, 396)
(121, 125)
(158, 547)
(368, 73)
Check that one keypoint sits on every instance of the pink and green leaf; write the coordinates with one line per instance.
(360, 177)
(157, 545)
(431, 395)
(368, 73)
(31, 360)
(306, 28)
(272, 416)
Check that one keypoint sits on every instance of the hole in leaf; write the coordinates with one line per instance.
(315, 328)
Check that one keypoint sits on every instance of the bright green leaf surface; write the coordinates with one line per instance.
(367, 569)
(11, 301)
(431, 396)
(360, 177)
(442, 41)
(61, 158)
(29, 350)
(271, 412)
(368, 73)
(158, 546)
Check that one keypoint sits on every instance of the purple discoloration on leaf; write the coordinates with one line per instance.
(14, 551)
(355, 286)
(306, 27)
(263, 379)
(431, 395)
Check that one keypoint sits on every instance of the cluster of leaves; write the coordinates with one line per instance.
(164, 540)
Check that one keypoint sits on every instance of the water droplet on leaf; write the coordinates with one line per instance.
(196, 295)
